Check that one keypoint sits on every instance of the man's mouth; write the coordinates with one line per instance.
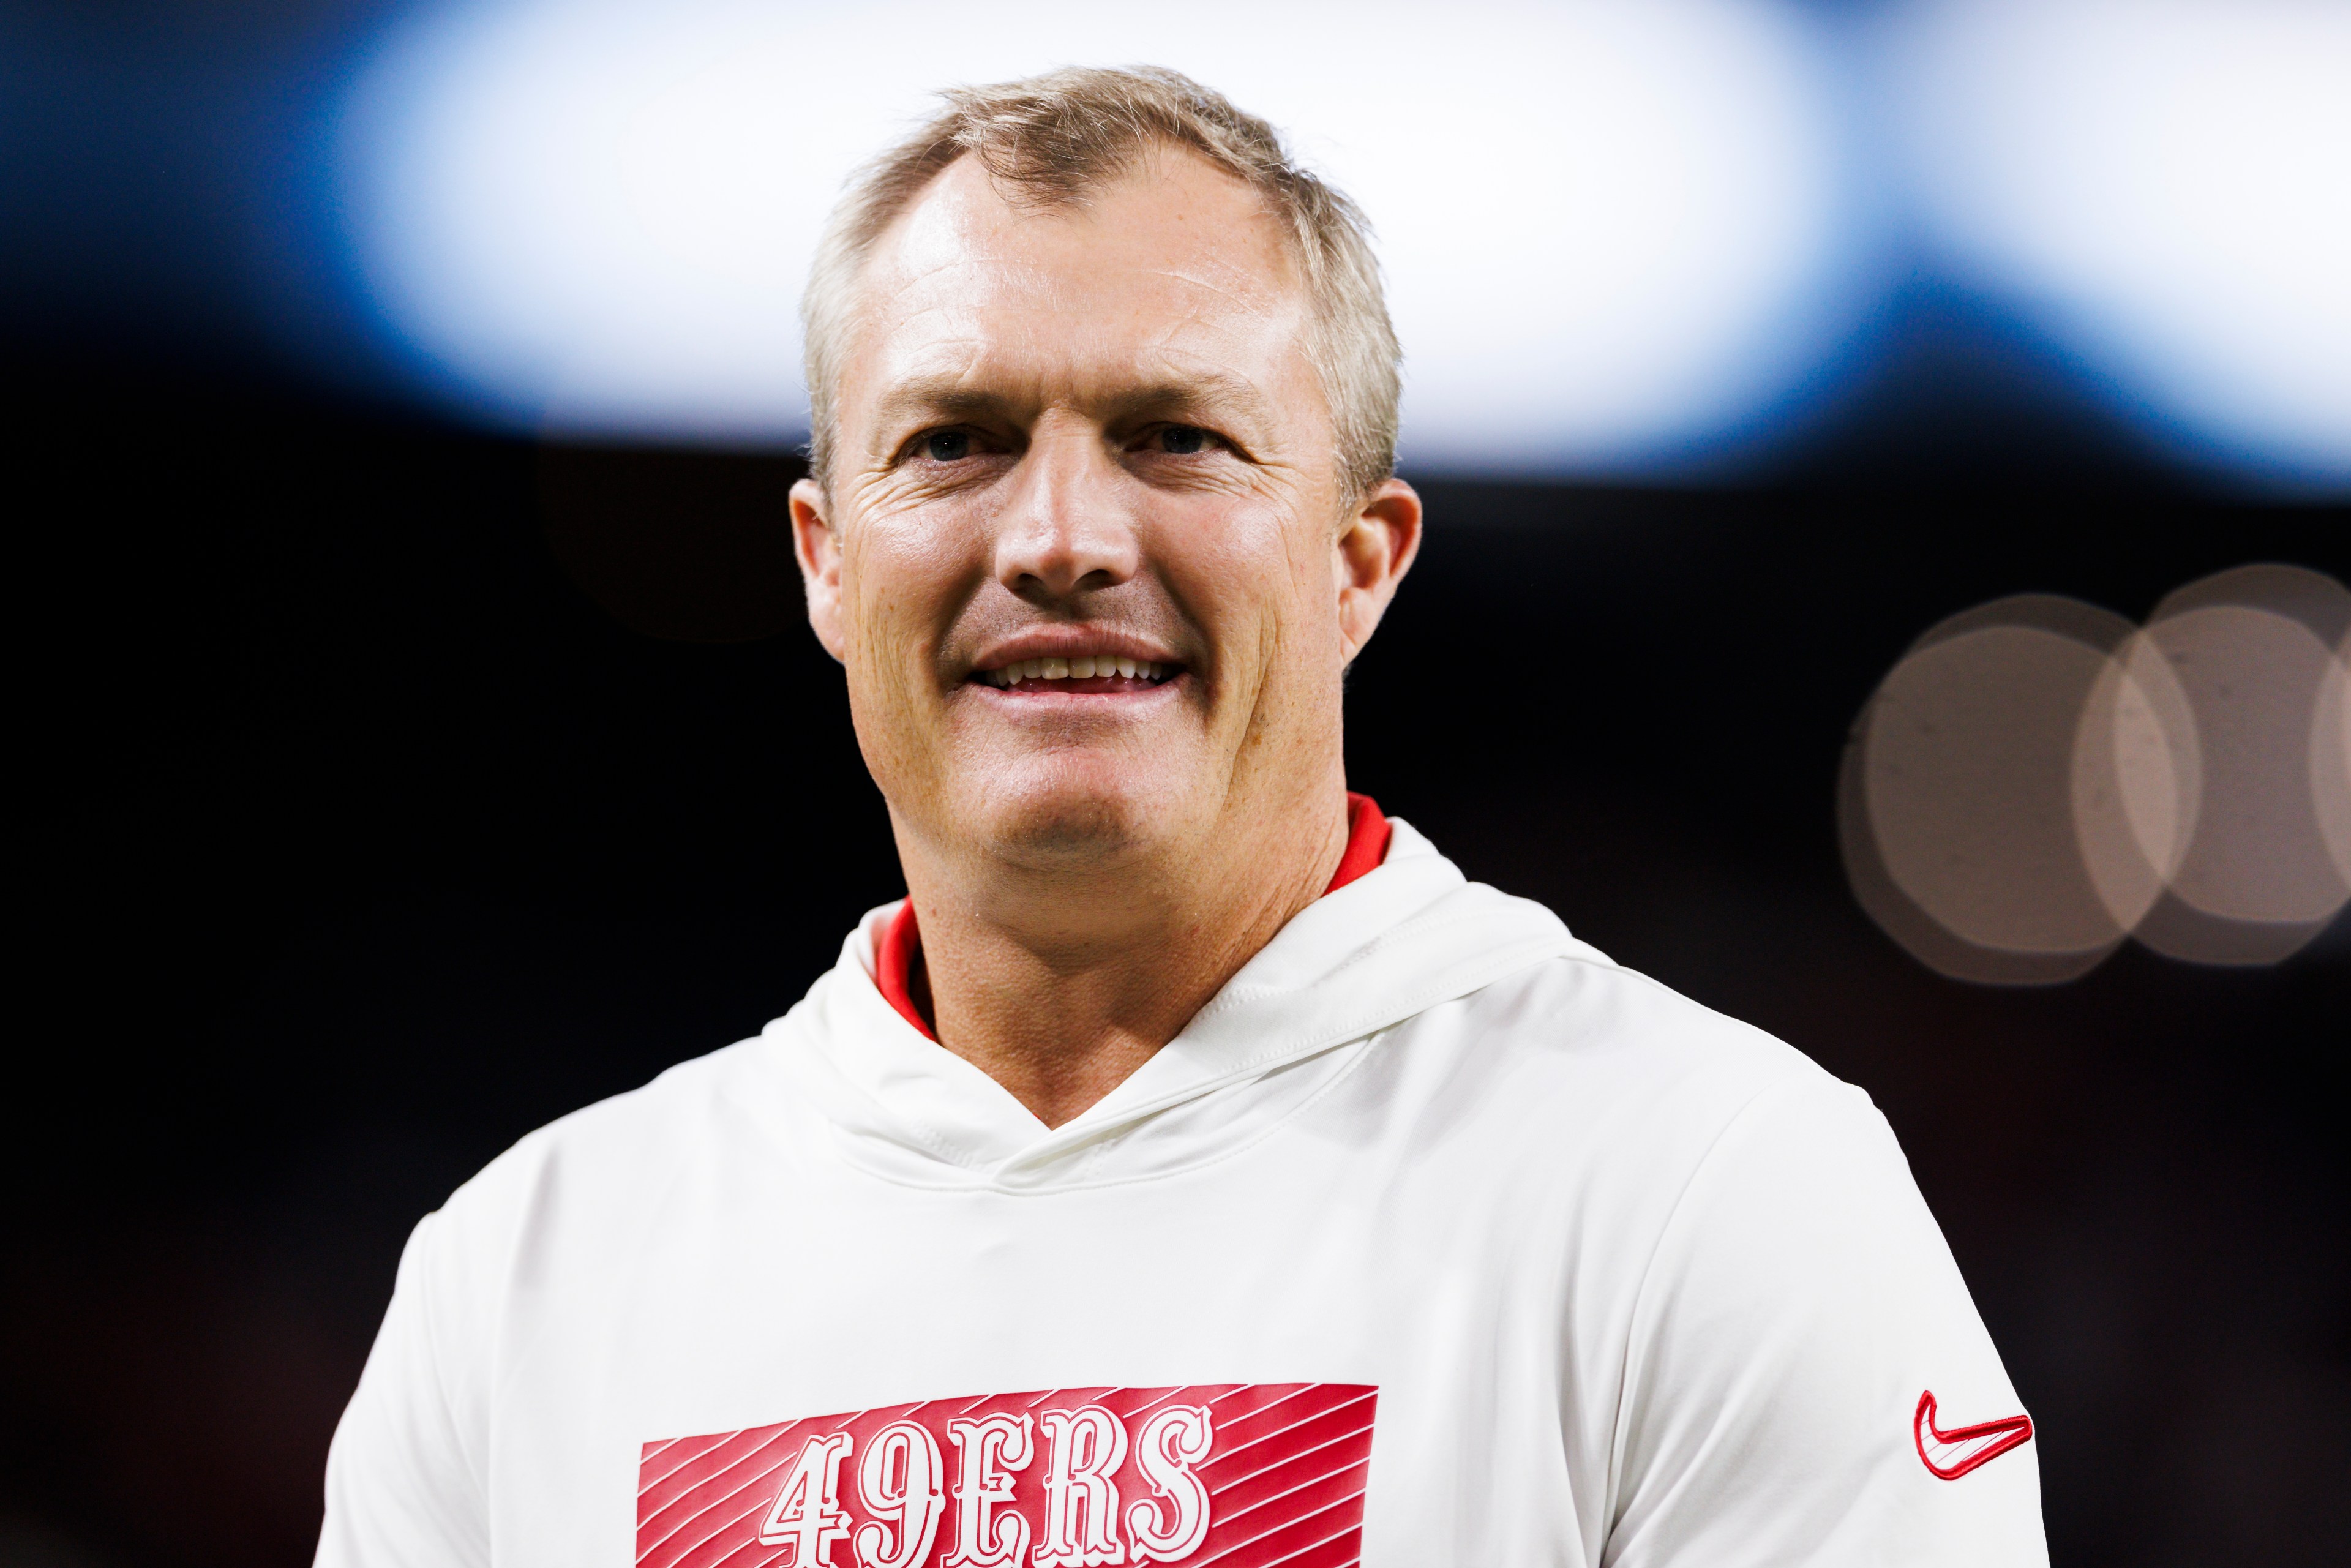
(1102, 674)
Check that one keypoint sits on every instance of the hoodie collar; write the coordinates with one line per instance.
(1401, 938)
(901, 939)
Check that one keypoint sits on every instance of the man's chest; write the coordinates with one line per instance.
(1232, 1373)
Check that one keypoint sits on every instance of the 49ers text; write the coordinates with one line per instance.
(1242, 1475)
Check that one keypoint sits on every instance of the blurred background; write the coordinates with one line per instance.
(1849, 424)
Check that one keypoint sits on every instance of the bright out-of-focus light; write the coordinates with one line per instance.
(1613, 230)
(2038, 779)
(2330, 759)
(2166, 185)
(1957, 800)
(2253, 651)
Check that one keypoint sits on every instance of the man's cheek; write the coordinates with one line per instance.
(887, 697)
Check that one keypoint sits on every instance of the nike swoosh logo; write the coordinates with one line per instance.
(1953, 1454)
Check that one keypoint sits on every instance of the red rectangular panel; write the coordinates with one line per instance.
(1239, 1475)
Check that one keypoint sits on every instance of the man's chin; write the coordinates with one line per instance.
(1050, 816)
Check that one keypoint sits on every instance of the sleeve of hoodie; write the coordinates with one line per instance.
(404, 1486)
(1800, 1303)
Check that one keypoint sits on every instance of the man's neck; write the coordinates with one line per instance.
(1059, 985)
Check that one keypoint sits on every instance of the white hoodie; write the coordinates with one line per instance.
(1435, 1239)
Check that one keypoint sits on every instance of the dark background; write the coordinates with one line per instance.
(365, 823)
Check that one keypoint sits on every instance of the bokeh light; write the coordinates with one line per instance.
(2137, 780)
(1614, 232)
(2037, 780)
(2164, 187)
(2253, 651)
(1956, 803)
(2330, 759)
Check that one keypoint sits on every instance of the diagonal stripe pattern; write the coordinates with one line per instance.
(1282, 1477)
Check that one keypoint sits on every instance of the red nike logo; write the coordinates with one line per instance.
(1953, 1454)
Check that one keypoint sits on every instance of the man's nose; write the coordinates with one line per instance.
(1069, 527)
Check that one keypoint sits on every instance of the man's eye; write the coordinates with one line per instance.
(1184, 439)
(948, 446)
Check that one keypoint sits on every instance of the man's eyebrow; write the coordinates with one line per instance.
(936, 397)
(953, 397)
(1203, 392)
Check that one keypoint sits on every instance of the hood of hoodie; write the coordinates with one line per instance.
(1406, 937)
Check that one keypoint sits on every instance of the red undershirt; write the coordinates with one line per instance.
(893, 966)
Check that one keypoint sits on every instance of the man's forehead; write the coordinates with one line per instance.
(1166, 264)
(1169, 210)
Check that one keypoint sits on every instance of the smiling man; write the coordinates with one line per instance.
(1194, 1167)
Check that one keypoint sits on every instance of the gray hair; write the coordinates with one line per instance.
(1054, 138)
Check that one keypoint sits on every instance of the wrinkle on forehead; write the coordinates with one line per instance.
(1017, 284)
(965, 214)
(1031, 340)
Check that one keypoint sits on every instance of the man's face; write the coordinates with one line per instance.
(1091, 439)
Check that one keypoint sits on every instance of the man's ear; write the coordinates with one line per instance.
(1374, 549)
(817, 550)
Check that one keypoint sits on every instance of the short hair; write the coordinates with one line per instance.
(1053, 139)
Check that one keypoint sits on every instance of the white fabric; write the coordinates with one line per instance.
(1637, 1284)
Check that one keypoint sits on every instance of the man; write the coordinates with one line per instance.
(1194, 1167)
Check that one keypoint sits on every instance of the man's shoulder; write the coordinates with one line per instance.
(620, 1153)
(1575, 1062)
(1584, 1014)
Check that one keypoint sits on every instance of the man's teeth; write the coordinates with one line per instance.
(1079, 669)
